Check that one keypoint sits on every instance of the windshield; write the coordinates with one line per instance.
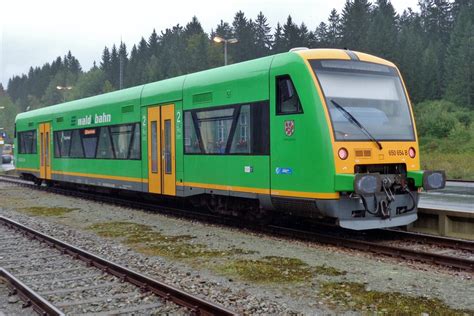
(372, 93)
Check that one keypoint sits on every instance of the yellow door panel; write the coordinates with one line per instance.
(154, 150)
(42, 164)
(168, 150)
(45, 150)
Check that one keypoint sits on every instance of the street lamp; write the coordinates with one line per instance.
(219, 39)
(64, 88)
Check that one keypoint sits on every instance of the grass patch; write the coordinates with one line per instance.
(144, 239)
(47, 211)
(456, 165)
(272, 269)
(356, 297)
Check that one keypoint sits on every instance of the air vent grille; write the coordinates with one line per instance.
(127, 108)
(363, 153)
(202, 98)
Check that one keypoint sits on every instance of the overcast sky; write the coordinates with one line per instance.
(37, 31)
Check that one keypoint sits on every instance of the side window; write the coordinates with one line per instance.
(214, 127)
(287, 99)
(106, 142)
(236, 129)
(62, 144)
(27, 142)
(121, 137)
(104, 149)
(76, 145)
(136, 145)
(89, 141)
(191, 139)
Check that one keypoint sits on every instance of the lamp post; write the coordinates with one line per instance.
(64, 89)
(219, 39)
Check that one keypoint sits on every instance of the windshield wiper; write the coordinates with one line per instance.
(354, 121)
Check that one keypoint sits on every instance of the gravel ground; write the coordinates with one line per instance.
(12, 305)
(205, 276)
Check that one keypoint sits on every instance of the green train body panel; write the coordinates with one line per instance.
(308, 152)
(236, 84)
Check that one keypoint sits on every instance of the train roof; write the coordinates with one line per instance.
(172, 89)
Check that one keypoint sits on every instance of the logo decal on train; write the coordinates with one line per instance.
(289, 127)
(96, 119)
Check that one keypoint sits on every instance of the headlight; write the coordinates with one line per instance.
(366, 184)
(434, 180)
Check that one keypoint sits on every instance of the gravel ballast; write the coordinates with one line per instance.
(211, 255)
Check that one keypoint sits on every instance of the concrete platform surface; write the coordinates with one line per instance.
(457, 196)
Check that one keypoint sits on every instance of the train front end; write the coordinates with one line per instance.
(374, 142)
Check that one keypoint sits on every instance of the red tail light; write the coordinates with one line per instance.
(412, 152)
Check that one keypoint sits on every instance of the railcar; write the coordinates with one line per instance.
(322, 133)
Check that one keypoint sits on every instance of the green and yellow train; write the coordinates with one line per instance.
(313, 132)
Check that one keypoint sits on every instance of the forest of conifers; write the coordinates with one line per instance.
(433, 46)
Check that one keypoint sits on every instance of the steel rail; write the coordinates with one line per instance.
(332, 239)
(30, 297)
(197, 305)
(399, 252)
(462, 244)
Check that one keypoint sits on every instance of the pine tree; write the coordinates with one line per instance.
(355, 24)
(154, 43)
(305, 36)
(410, 51)
(322, 35)
(244, 49)
(383, 31)
(193, 28)
(436, 19)
(334, 29)
(143, 51)
(460, 62)
(279, 45)
(113, 75)
(197, 43)
(263, 38)
(430, 74)
(105, 64)
(291, 35)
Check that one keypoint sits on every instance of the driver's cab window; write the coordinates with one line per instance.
(288, 101)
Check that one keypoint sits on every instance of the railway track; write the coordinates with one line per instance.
(56, 278)
(375, 243)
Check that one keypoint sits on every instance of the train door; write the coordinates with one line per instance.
(45, 150)
(161, 150)
(154, 149)
(168, 150)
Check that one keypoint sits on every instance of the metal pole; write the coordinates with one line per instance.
(225, 52)
(121, 74)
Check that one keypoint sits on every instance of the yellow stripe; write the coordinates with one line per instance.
(310, 195)
(28, 169)
(100, 176)
(224, 187)
(262, 191)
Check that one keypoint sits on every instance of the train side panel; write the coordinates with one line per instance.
(221, 93)
(302, 165)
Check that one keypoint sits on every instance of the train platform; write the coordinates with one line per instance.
(448, 212)
(456, 197)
